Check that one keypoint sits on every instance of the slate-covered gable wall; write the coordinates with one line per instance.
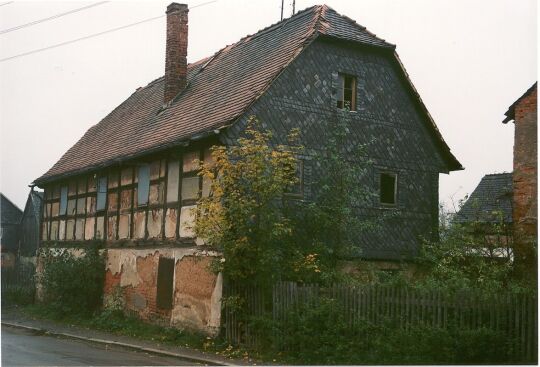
(387, 120)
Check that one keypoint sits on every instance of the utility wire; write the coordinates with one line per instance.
(6, 3)
(81, 38)
(95, 34)
(51, 17)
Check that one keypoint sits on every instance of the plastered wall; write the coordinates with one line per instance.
(131, 280)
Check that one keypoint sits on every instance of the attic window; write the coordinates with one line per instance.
(346, 92)
(388, 188)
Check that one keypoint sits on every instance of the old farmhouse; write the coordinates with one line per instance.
(130, 182)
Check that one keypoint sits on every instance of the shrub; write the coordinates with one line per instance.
(17, 295)
(73, 283)
(321, 334)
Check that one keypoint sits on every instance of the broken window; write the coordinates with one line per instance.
(63, 200)
(346, 92)
(102, 193)
(165, 280)
(388, 188)
(143, 187)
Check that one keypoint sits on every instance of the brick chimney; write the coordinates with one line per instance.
(176, 50)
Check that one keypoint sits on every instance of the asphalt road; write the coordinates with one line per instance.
(26, 348)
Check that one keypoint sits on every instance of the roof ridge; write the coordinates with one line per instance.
(498, 174)
(357, 25)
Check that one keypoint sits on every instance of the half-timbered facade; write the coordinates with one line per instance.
(131, 181)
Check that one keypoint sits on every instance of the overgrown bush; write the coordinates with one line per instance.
(321, 334)
(73, 280)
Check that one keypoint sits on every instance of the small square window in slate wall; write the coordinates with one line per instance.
(165, 283)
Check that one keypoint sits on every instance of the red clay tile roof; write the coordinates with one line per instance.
(220, 89)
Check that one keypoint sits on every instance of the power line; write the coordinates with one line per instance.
(6, 3)
(80, 39)
(51, 17)
(96, 34)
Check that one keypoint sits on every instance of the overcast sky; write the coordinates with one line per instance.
(469, 60)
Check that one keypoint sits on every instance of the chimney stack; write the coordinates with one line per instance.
(176, 50)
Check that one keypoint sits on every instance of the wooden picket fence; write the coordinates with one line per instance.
(18, 279)
(513, 315)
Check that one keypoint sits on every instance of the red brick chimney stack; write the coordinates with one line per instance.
(176, 50)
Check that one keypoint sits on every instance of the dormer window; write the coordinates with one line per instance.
(346, 92)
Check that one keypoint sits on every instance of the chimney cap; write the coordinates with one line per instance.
(174, 7)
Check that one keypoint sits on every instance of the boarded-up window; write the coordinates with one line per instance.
(81, 186)
(81, 205)
(63, 200)
(172, 181)
(190, 161)
(143, 184)
(71, 207)
(102, 193)
(388, 188)
(165, 283)
(190, 188)
(346, 92)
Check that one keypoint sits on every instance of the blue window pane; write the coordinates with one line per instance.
(102, 193)
(63, 200)
(144, 184)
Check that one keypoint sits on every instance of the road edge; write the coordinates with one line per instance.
(120, 344)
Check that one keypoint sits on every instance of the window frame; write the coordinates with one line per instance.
(395, 195)
(300, 184)
(342, 78)
(140, 183)
(63, 201)
(99, 186)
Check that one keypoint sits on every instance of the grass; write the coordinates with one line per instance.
(117, 323)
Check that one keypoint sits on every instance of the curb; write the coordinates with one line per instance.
(121, 344)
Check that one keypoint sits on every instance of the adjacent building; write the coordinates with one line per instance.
(10, 218)
(30, 225)
(524, 113)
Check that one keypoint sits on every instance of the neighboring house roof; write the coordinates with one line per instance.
(9, 212)
(220, 89)
(511, 110)
(34, 204)
(491, 199)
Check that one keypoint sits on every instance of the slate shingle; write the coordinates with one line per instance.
(492, 197)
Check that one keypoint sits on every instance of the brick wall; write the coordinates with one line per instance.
(131, 280)
(176, 50)
(525, 178)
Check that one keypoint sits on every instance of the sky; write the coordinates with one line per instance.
(468, 59)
